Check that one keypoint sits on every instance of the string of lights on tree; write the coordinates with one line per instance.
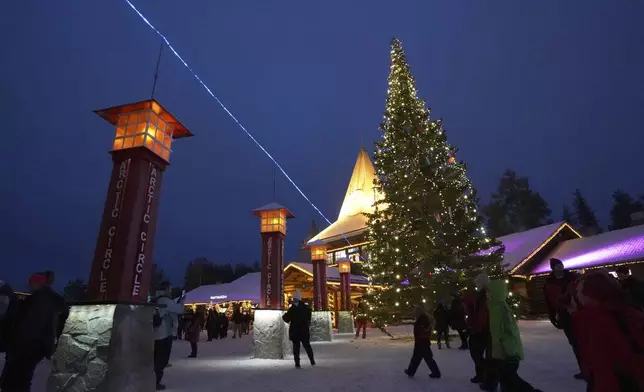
(428, 239)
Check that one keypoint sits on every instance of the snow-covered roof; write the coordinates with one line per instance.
(359, 199)
(521, 247)
(247, 288)
(618, 246)
(273, 206)
(348, 227)
(332, 273)
(243, 289)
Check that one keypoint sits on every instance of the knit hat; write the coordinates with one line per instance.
(554, 262)
(38, 279)
(297, 296)
(482, 281)
(599, 286)
(418, 311)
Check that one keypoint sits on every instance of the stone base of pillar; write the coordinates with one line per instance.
(321, 327)
(270, 335)
(105, 347)
(345, 322)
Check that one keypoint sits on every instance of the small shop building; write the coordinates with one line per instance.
(246, 290)
(527, 256)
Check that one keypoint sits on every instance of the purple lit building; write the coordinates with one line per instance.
(527, 255)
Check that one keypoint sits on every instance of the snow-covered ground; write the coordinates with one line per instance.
(375, 364)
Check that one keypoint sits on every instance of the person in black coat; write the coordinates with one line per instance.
(8, 310)
(299, 318)
(632, 286)
(61, 306)
(32, 336)
(422, 348)
(441, 318)
(222, 323)
(457, 320)
(211, 324)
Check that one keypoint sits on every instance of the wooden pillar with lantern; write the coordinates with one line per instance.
(273, 231)
(344, 267)
(122, 262)
(116, 321)
(319, 260)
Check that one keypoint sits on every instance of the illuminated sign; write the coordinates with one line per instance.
(218, 296)
(145, 226)
(124, 169)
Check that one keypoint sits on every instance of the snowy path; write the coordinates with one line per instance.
(375, 364)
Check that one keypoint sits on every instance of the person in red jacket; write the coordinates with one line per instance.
(480, 341)
(558, 282)
(610, 333)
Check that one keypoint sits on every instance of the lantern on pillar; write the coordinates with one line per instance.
(272, 227)
(344, 267)
(318, 259)
(144, 132)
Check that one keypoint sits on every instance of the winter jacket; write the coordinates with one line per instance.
(610, 335)
(361, 311)
(504, 331)
(62, 309)
(422, 330)
(635, 289)
(169, 317)
(299, 318)
(457, 315)
(554, 293)
(238, 317)
(8, 310)
(36, 324)
(441, 318)
(194, 329)
(478, 320)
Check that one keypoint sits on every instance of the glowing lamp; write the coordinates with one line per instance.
(318, 250)
(344, 265)
(273, 218)
(144, 124)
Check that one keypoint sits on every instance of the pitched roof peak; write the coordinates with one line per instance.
(361, 195)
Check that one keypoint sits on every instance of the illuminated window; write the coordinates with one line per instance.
(144, 129)
(273, 221)
(318, 252)
(341, 254)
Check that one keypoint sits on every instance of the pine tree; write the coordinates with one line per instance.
(428, 240)
(623, 208)
(567, 215)
(584, 215)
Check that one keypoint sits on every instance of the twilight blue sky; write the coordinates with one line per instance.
(553, 89)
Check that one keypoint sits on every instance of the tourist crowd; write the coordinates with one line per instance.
(602, 318)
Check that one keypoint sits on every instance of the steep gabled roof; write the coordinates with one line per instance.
(618, 246)
(521, 247)
(359, 199)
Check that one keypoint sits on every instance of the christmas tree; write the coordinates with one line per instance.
(428, 240)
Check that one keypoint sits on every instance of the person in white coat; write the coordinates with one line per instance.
(164, 322)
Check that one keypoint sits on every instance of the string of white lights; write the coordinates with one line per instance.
(230, 114)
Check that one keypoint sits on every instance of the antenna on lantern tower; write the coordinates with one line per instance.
(156, 72)
(274, 181)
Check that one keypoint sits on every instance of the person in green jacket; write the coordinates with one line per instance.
(507, 350)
